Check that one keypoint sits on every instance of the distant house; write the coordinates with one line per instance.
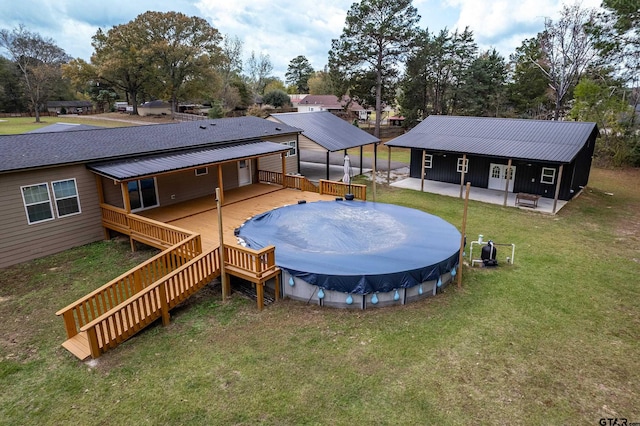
(323, 131)
(53, 186)
(156, 107)
(331, 103)
(547, 158)
(70, 107)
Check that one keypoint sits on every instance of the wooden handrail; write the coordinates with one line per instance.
(340, 189)
(256, 262)
(290, 181)
(116, 291)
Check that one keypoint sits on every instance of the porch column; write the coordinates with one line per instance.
(464, 163)
(125, 197)
(555, 198)
(361, 157)
(220, 184)
(283, 156)
(327, 165)
(506, 185)
(424, 153)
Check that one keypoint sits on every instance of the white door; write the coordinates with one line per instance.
(244, 172)
(498, 177)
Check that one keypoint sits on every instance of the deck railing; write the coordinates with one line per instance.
(153, 302)
(291, 181)
(257, 263)
(340, 189)
(118, 290)
(143, 229)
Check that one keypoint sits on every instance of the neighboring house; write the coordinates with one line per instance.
(547, 158)
(52, 185)
(323, 131)
(156, 107)
(331, 103)
(296, 98)
(69, 107)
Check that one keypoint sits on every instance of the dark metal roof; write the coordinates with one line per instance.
(327, 130)
(552, 141)
(19, 152)
(154, 164)
(64, 127)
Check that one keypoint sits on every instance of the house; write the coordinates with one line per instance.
(331, 103)
(547, 158)
(325, 132)
(53, 185)
(156, 107)
(70, 107)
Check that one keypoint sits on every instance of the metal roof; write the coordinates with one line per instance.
(552, 141)
(327, 130)
(27, 151)
(154, 164)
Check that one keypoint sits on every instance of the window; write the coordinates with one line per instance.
(293, 148)
(496, 172)
(142, 193)
(466, 165)
(428, 161)
(37, 203)
(65, 193)
(548, 175)
(202, 171)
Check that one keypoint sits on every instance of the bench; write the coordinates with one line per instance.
(528, 200)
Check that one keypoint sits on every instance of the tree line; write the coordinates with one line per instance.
(583, 66)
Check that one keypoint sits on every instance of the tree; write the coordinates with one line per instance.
(259, 69)
(12, 98)
(183, 48)
(39, 61)
(482, 89)
(321, 83)
(230, 68)
(299, 72)
(377, 35)
(276, 98)
(567, 51)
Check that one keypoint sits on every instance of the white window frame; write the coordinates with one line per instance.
(428, 161)
(466, 165)
(27, 205)
(198, 171)
(293, 148)
(548, 175)
(76, 196)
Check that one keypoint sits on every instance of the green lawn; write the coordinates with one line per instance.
(552, 339)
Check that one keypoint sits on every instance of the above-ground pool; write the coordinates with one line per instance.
(356, 253)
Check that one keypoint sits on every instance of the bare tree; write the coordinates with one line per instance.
(39, 60)
(567, 51)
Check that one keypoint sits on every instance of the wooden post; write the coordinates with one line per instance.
(327, 165)
(226, 290)
(464, 163)
(506, 185)
(260, 295)
(389, 167)
(126, 200)
(283, 156)
(424, 154)
(555, 198)
(220, 186)
(463, 232)
(361, 157)
(164, 304)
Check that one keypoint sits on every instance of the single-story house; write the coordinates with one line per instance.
(325, 132)
(69, 107)
(547, 158)
(331, 103)
(156, 107)
(52, 185)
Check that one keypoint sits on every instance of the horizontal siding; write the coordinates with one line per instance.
(309, 145)
(186, 186)
(21, 242)
(112, 192)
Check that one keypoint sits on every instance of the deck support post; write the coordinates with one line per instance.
(220, 186)
(284, 169)
(463, 232)
(506, 185)
(226, 289)
(164, 305)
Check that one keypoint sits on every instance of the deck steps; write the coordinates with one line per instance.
(78, 345)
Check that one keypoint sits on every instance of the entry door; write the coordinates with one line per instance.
(244, 172)
(498, 177)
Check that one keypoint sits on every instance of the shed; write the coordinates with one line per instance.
(547, 158)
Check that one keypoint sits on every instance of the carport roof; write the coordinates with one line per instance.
(137, 167)
(327, 130)
(538, 140)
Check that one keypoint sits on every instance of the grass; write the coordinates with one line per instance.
(552, 339)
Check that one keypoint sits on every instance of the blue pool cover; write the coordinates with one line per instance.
(356, 247)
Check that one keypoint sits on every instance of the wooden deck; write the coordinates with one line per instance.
(201, 216)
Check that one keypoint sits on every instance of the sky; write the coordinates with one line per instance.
(282, 29)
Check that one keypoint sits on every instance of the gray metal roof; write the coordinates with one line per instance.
(64, 127)
(27, 151)
(552, 141)
(327, 130)
(154, 164)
